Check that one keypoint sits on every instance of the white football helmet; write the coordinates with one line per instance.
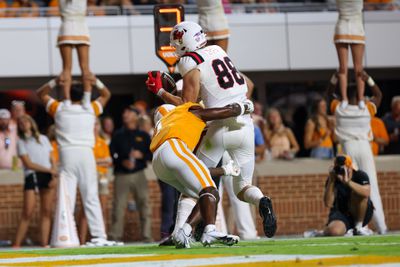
(187, 36)
(161, 111)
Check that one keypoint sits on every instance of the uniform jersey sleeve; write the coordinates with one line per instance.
(360, 177)
(371, 108)
(97, 108)
(186, 64)
(334, 104)
(52, 107)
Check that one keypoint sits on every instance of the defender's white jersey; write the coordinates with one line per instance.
(220, 82)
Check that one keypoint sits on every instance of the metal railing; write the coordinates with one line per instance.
(192, 9)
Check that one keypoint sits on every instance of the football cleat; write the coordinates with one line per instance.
(268, 216)
(212, 236)
(183, 237)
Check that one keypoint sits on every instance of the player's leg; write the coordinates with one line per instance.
(27, 213)
(240, 145)
(343, 54)
(88, 186)
(66, 74)
(46, 204)
(357, 51)
(87, 76)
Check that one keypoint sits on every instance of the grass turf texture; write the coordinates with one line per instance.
(374, 245)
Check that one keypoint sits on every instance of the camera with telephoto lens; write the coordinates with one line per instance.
(339, 167)
(339, 170)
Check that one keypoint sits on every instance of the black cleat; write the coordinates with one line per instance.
(268, 216)
(167, 241)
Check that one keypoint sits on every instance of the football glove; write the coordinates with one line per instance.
(154, 84)
(231, 169)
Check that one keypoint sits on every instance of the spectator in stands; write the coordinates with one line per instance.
(130, 149)
(260, 146)
(280, 139)
(392, 122)
(53, 10)
(94, 10)
(347, 192)
(353, 131)
(145, 124)
(17, 110)
(8, 141)
(103, 162)
(381, 136)
(379, 5)
(40, 173)
(107, 125)
(141, 106)
(318, 131)
(3, 5)
(24, 8)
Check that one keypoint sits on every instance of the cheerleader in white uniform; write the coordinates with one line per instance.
(349, 32)
(74, 33)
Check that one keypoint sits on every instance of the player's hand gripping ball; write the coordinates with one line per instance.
(159, 81)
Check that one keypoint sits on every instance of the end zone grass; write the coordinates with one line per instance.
(373, 245)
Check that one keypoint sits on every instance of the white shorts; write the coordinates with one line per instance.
(213, 20)
(236, 136)
(74, 31)
(350, 31)
(175, 164)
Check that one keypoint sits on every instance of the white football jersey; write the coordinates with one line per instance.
(220, 82)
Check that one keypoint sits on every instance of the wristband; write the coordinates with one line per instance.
(334, 79)
(242, 108)
(370, 81)
(160, 92)
(52, 83)
(99, 84)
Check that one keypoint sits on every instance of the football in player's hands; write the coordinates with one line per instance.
(160, 80)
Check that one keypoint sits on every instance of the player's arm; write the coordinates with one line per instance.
(228, 111)
(104, 92)
(376, 91)
(44, 91)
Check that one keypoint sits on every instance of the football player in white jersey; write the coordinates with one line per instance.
(209, 74)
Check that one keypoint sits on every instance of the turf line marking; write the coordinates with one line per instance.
(339, 261)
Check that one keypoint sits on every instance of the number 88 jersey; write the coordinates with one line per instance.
(220, 82)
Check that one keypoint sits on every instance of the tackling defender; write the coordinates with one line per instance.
(175, 163)
(209, 73)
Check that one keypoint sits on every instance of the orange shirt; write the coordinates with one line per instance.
(33, 12)
(54, 154)
(179, 123)
(379, 131)
(101, 151)
(3, 4)
(327, 142)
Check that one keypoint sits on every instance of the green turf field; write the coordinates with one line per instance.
(374, 245)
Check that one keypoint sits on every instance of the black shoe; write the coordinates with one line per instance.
(268, 216)
(167, 241)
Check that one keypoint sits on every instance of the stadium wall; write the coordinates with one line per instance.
(296, 188)
(258, 42)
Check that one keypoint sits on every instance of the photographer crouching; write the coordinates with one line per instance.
(346, 193)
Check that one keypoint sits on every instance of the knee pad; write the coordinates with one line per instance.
(211, 192)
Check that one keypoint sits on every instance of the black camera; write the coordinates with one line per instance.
(339, 170)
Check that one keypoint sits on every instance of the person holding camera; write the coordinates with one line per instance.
(347, 192)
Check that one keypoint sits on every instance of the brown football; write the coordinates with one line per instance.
(167, 81)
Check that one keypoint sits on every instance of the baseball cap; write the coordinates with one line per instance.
(5, 114)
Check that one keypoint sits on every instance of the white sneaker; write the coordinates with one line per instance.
(312, 233)
(349, 233)
(101, 242)
(212, 236)
(183, 237)
(344, 104)
(363, 231)
(361, 104)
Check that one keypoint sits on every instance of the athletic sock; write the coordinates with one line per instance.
(358, 225)
(185, 207)
(253, 195)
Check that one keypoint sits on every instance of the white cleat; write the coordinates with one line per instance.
(101, 242)
(363, 231)
(313, 233)
(212, 236)
(183, 237)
